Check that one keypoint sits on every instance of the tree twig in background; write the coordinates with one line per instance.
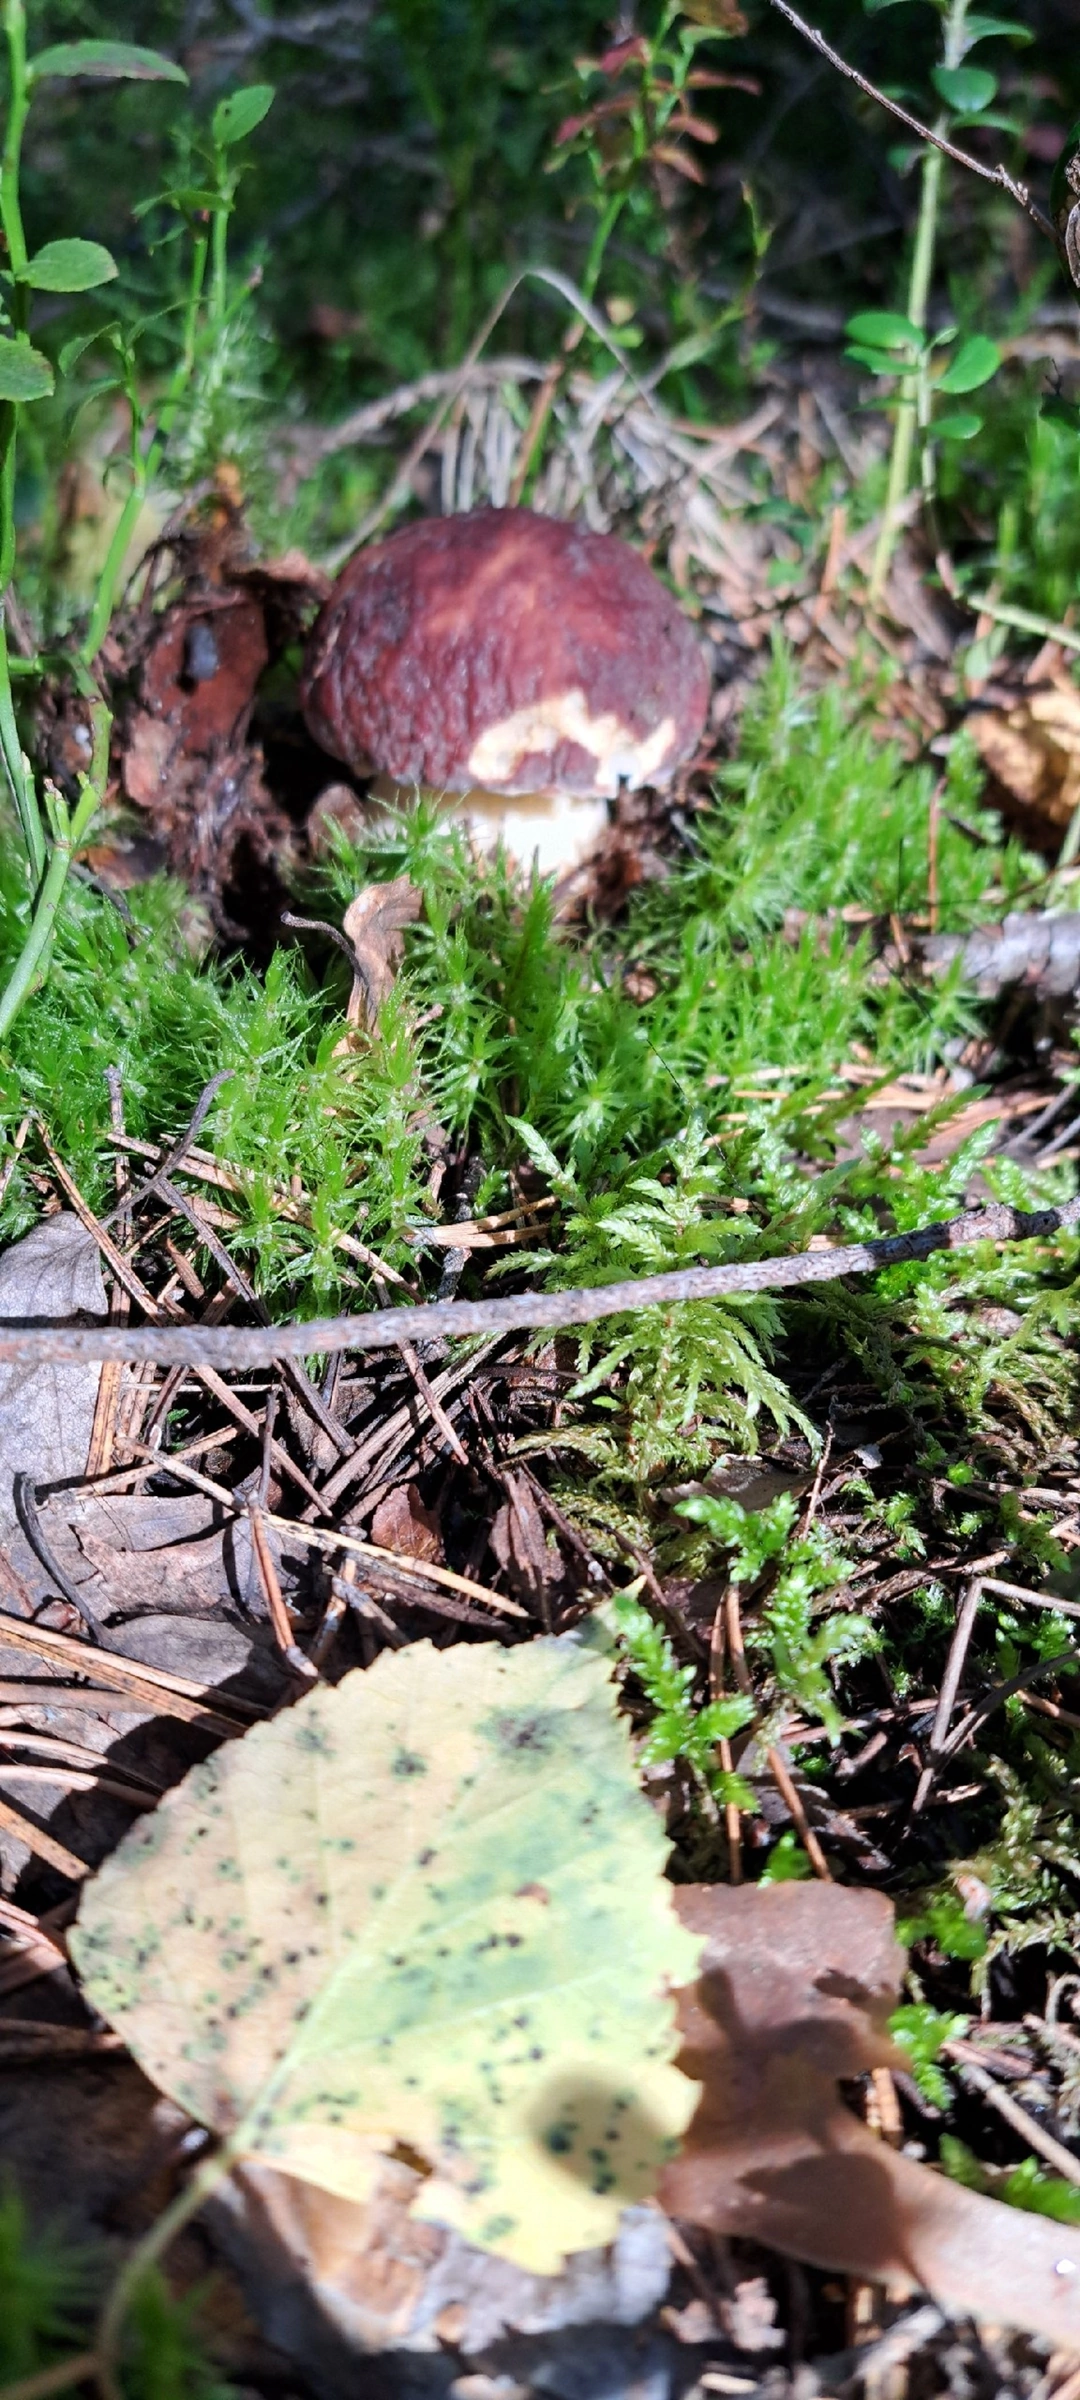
(999, 175)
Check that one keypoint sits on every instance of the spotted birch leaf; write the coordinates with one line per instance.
(425, 1909)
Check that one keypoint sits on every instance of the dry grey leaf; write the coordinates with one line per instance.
(796, 1986)
(375, 924)
(1036, 948)
(207, 1653)
(46, 1416)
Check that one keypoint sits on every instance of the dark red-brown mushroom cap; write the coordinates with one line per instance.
(508, 651)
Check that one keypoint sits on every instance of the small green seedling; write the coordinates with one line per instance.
(792, 1573)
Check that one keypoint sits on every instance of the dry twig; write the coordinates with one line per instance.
(386, 1328)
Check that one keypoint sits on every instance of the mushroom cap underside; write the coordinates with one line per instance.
(506, 650)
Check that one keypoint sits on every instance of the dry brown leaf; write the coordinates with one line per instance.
(518, 1541)
(402, 1523)
(1034, 748)
(374, 925)
(794, 1995)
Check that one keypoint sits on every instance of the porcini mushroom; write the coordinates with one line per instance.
(506, 653)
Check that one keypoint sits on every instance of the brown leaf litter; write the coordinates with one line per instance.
(793, 1999)
(1031, 745)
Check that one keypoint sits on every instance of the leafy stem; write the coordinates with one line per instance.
(913, 406)
(18, 111)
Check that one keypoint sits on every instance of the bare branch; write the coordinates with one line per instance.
(999, 175)
(27, 1342)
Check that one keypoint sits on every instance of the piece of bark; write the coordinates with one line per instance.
(1038, 949)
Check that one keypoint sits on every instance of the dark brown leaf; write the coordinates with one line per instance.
(402, 1523)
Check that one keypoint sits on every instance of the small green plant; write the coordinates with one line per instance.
(680, 1727)
(46, 2291)
(897, 347)
(789, 1575)
(54, 826)
(921, 2032)
(636, 115)
(1027, 2186)
(49, 2286)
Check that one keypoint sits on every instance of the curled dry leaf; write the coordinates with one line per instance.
(425, 1909)
(1034, 749)
(375, 926)
(795, 1988)
(1033, 949)
(519, 1542)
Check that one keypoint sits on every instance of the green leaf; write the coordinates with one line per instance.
(105, 62)
(878, 361)
(193, 197)
(787, 1861)
(981, 29)
(990, 116)
(960, 427)
(922, 2032)
(71, 266)
(542, 1155)
(24, 374)
(426, 1907)
(884, 330)
(967, 88)
(874, 7)
(80, 344)
(1062, 412)
(237, 115)
(976, 360)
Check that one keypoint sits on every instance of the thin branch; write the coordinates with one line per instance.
(26, 1341)
(971, 2071)
(1065, 1661)
(25, 1498)
(998, 175)
(950, 1685)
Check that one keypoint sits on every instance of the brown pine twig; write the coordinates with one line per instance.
(43, 1845)
(732, 1812)
(99, 1457)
